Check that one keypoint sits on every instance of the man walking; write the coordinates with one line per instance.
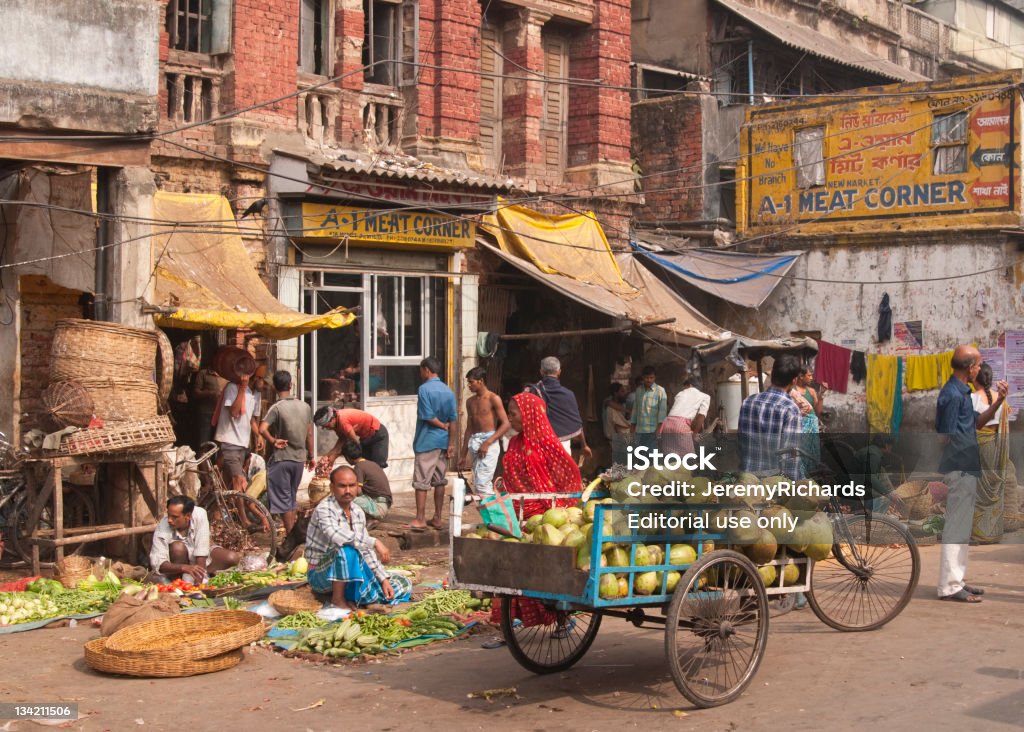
(487, 423)
(563, 409)
(433, 443)
(649, 410)
(956, 423)
(288, 426)
(769, 423)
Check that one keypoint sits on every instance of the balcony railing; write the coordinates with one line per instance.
(193, 95)
(318, 109)
(383, 114)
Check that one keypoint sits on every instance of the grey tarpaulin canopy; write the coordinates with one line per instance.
(738, 349)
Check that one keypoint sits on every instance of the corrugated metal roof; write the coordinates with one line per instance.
(407, 168)
(806, 39)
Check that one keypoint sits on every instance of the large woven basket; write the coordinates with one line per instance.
(68, 404)
(121, 400)
(72, 570)
(85, 349)
(289, 602)
(99, 658)
(188, 637)
(916, 497)
(164, 367)
(128, 437)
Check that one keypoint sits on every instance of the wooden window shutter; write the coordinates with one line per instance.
(490, 95)
(409, 38)
(554, 120)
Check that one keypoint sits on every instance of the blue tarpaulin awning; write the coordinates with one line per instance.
(742, 279)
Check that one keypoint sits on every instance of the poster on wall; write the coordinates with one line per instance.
(1014, 367)
(908, 335)
(996, 358)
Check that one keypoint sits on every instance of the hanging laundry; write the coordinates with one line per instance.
(881, 384)
(858, 366)
(832, 366)
(922, 372)
(897, 400)
(884, 320)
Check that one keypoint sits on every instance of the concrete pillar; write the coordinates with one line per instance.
(132, 257)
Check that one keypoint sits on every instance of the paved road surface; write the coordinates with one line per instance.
(937, 666)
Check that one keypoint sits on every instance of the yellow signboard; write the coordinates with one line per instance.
(387, 227)
(907, 153)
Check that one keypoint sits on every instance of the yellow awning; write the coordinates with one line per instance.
(203, 270)
(571, 255)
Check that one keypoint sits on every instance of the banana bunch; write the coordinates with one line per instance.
(344, 640)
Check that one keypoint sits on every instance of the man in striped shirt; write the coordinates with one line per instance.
(770, 423)
(344, 560)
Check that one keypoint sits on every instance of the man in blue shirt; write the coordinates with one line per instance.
(770, 423)
(650, 407)
(433, 443)
(956, 422)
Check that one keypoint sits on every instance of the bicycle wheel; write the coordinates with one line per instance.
(869, 577)
(716, 628)
(240, 523)
(559, 640)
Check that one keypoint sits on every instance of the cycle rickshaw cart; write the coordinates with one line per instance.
(716, 617)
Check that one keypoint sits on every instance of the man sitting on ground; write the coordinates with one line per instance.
(181, 544)
(376, 498)
(344, 560)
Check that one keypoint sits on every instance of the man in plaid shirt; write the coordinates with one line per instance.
(770, 422)
(344, 560)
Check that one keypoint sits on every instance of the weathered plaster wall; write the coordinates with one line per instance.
(837, 290)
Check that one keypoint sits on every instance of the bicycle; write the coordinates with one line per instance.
(873, 569)
(79, 509)
(237, 521)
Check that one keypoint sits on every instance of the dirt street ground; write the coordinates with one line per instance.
(937, 666)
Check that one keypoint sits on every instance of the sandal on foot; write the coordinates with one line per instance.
(961, 596)
(974, 590)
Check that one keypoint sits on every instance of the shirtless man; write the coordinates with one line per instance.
(487, 423)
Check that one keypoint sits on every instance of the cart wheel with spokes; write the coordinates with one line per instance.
(548, 640)
(869, 577)
(716, 628)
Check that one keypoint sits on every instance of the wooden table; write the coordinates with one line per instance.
(45, 485)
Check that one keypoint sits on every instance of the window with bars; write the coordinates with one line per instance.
(949, 138)
(391, 41)
(809, 157)
(315, 37)
(199, 26)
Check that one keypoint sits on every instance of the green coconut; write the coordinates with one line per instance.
(747, 533)
(575, 515)
(768, 574)
(819, 529)
(548, 534)
(533, 522)
(642, 557)
(780, 518)
(608, 587)
(656, 553)
(682, 554)
(645, 583)
(672, 580)
(763, 550)
(623, 586)
(555, 517)
(790, 574)
(574, 539)
(617, 557)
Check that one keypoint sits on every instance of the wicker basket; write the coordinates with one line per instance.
(121, 400)
(289, 602)
(122, 438)
(916, 497)
(99, 658)
(72, 570)
(188, 637)
(68, 404)
(83, 349)
(164, 367)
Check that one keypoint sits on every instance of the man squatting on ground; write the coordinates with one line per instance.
(181, 544)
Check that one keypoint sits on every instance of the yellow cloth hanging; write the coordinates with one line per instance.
(922, 373)
(881, 385)
(945, 367)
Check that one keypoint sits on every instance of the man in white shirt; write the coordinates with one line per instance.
(236, 422)
(181, 544)
(685, 419)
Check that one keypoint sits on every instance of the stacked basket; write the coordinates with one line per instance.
(105, 370)
(180, 645)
